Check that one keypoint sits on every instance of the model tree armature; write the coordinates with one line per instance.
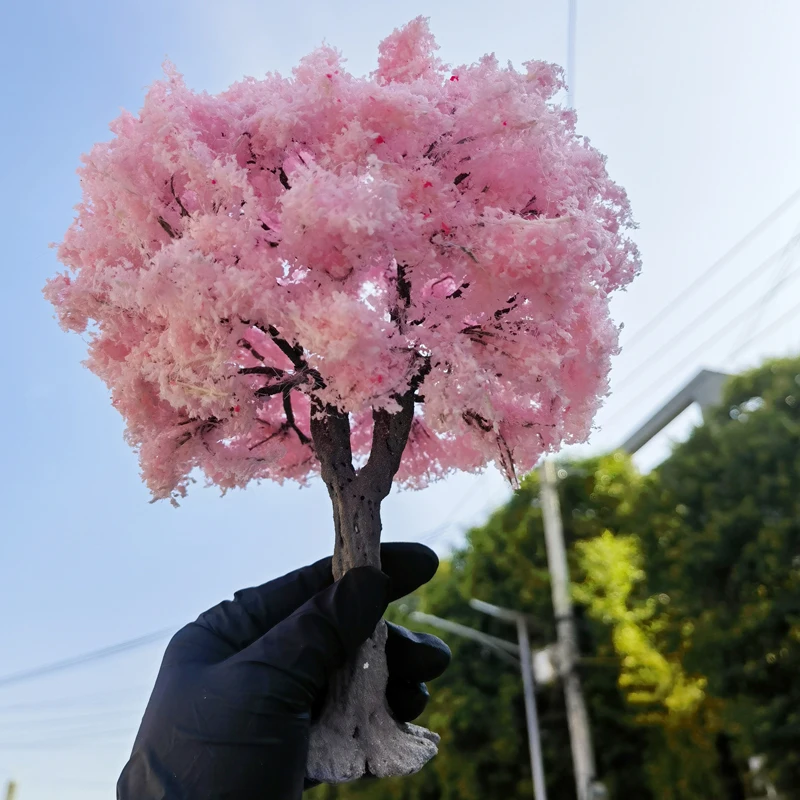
(371, 279)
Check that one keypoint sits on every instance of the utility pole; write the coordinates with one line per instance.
(531, 713)
(11, 790)
(526, 665)
(577, 717)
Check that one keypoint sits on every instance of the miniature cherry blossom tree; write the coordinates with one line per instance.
(372, 279)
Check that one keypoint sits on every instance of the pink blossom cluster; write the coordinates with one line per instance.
(345, 238)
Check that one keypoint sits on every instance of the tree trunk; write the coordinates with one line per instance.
(356, 734)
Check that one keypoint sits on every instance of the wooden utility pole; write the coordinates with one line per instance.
(579, 731)
(11, 790)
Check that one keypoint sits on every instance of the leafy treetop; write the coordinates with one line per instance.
(325, 240)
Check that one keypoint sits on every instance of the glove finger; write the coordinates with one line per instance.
(409, 565)
(407, 699)
(415, 657)
(239, 622)
(252, 612)
(318, 638)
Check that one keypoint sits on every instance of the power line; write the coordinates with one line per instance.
(648, 328)
(80, 719)
(76, 739)
(658, 383)
(76, 700)
(436, 532)
(86, 658)
(779, 280)
(793, 311)
(708, 311)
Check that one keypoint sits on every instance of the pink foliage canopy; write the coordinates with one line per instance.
(342, 238)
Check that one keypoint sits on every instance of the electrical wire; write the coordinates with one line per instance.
(86, 658)
(76, 700)
(779, 280)
(659, 382)
(113, 736)
(708, 311)
(449, 521)
(792, 312)
(638, 336)
(71, 719)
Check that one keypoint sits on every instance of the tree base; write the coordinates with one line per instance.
(356, 735)
(393, 749)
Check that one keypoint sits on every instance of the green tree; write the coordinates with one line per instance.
(721, 538)
(612, 569)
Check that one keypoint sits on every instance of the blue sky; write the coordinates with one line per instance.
(695, 103)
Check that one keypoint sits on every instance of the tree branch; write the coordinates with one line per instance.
(290, 424)
(389, 437)
(474, 418)
(292, 382)
(282, 429)
(293, 352)
(272, 372)
(330, 430)
(290, 421)
(269, 230)
(184, 212)
(507, 461)
(249, 347)
(398, 312)
(168, 228)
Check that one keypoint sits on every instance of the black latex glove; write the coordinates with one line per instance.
(230, 713)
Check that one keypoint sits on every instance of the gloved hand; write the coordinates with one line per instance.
(230, 713)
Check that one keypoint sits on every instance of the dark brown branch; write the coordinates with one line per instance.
(507, 461)
(292, 382)
(475, 330)
(184, 212)
(283, 428)
(272, 372)
(529, 209)
(461, 178)
(468, 252)
(430, 152)
(474, 418)
(389, 437)
(423, 371)
(397, 313)
(458, 292)
(269, 230)
(330, 430)
(249, 137)
(168, 228)
(290, 424)
(203, 427)
(284, 179)
(293, 352)
(249, 347)
(501, 312)
(287, 407)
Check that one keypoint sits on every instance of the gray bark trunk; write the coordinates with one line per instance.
(356, 734)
